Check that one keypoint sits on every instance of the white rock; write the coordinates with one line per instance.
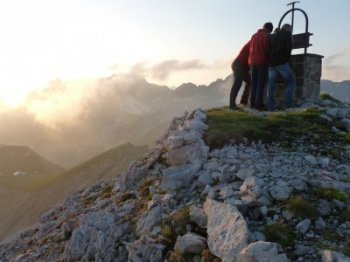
(179, 177)
(227, 230)
(311, 159)
(244, 173)
(190, 243)
(279, 192)
(332, 256)
(198, 216)
(262, 252)
(303, 226)
(320, 223)
(346, 123)
(264, 210)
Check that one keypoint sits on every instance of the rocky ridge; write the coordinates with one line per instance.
(183, 202)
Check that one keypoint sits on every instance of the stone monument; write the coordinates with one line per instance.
(307, 67)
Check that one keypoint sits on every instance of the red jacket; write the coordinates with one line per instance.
(259, 48)
(243, 55)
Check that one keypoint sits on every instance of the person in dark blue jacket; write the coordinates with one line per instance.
(279, 64)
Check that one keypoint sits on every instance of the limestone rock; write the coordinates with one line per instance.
(244, 173)
(190, 243)
(198, 216)
(95, 238)
(193, 153)
(227, 230)
(332, 256)
(179, 177)
(303, 226)
(280, 192)
(262, 252)
(150, 220)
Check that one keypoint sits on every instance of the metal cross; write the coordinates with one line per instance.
(292, 4)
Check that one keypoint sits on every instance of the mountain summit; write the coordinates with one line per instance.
(220, 185)
(21, 160)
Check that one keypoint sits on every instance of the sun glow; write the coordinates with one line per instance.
(45, 40)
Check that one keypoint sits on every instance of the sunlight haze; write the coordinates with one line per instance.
(190, 41)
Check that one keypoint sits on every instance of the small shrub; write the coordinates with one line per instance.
(89, 201)
(347, 137)
(331, 235)
(344, 216)
(176, 256)
(330, 194)
(325, 96)
(207, 256)
(181, 218)
(126, 196)
(301, 207)
(144, 188)
(106, 192)
(167, 231)
(346, 251)
(280, 233)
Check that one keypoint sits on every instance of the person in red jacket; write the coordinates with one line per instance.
(258, 60)
(240, 68)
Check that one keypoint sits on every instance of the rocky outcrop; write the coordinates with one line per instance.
(243, 202)
(263, 252)
(227, 229)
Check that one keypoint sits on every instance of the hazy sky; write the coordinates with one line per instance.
(166, 41)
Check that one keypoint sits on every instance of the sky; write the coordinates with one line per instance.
(165, 41)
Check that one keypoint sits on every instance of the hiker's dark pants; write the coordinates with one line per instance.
(259, 76)
(240, 74)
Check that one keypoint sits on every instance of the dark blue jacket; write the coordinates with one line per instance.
(280, 47)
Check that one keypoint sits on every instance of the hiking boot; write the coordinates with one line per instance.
(233, 107)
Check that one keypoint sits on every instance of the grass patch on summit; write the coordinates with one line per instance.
(226, 126)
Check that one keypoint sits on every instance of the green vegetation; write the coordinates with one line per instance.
(325, 96)
(345, 250)
(126, 196)
(106, 192)
(144, 189)
(282, 127)
(344, 215)
(89, 201)
(347, 137)
(330, 194)
(331, 235)
(175, 226)
(280, 233)
(176, 256)
(301, 207)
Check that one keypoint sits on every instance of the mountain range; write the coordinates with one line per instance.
(23, 198)
(220, 185)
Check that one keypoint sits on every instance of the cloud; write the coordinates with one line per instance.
(162, 70)
(337, 66)
(73, 120)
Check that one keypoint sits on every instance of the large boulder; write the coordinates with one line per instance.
(179, 177)
(190, 243)
(332, 256)
(227, 230)
(193, 153)
(96, 238)
(149, 220)
(198, 216)
(262, 252)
